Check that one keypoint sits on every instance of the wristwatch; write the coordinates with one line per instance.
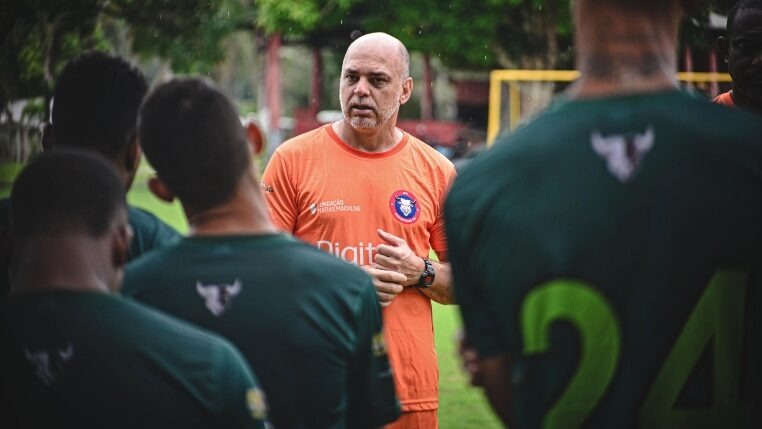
(427, 277)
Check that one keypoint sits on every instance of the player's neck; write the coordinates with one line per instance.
(244, 214)
(746, 103)
(634, 54)
(377, 140)
(73, 262)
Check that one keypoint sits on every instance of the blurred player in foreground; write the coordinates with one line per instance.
(74, 353)
(604, 254)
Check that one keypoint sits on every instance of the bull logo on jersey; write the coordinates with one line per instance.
(49, 364)
(218, 296)
(404, 206)
(623, 153)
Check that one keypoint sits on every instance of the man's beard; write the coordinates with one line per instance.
(382, 115)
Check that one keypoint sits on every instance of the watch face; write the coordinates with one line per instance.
(427, 281)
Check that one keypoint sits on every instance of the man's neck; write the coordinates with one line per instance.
(73, 262)
(377, 140)
(746, 103)
(636, 54)
(244, 214)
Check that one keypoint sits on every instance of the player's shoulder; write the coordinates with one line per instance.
(141, 272)
(305, 142)
(144, 221)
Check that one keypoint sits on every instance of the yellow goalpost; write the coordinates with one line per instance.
(511, 111)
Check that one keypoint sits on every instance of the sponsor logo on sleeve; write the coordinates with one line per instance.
(265, 187)
(257, 403)
(623, 153)
(49, 364)
(218, 297)
(378, 345)
(404, 207)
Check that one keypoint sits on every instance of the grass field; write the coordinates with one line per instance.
(461, 406)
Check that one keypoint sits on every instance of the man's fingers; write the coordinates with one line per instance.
(390, 288)
(387, 262)
(386, 250)
(391, 238)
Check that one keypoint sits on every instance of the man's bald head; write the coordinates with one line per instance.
(382, 40)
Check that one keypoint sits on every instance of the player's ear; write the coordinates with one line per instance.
(47, 137)
(256, 138)
(132, 156)
(120, 244)
(407, 90)
(723, 47)
(160, 189)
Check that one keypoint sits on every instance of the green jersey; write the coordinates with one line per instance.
(308, 323)
(149, 232)
(607, 248)
(77, 359)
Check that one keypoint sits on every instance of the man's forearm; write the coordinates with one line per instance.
(441, 290)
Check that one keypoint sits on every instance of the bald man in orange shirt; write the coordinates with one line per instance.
(371, 194)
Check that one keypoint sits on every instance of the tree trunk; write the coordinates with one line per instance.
(427, 98)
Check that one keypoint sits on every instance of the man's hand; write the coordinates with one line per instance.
(399, 257)
(388, 283)
(470, 358)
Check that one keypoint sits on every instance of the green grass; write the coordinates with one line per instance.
(460, 406)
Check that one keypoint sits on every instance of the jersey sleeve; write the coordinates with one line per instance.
(438, 240)
(372, 399)
(244, 403)
(280, 193)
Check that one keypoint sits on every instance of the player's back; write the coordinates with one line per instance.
(615, 240)
(80, 359)
(308, 323)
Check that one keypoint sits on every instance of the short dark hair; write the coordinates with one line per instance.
(66, 191)
(192, 135)
(95, 103)
(739, 6)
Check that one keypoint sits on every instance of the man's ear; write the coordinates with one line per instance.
(723, 47)
(47, 137)
(132, 156)
(407, 90)
(120, 245)
(160, 190)
(256, 138)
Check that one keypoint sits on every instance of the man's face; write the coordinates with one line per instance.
(371, 86)
(745, 54)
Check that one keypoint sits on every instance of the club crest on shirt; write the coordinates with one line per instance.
(218, 297)
(404, 206)
(623, 153)
(378, 344)
(49, 364)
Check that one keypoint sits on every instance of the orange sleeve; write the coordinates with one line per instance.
(438, 239)
(280, 193)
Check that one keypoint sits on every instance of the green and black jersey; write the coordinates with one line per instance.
(308, 323)
(610, 248)
(149, 232)
(92, 360)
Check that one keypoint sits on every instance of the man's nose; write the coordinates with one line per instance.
(362, 89)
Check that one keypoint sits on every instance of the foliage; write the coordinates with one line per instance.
(37, 37)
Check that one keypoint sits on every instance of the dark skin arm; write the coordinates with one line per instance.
(492, 374)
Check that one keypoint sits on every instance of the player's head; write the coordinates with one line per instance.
(95, 107)
(742, 49)
(192, 135)
(64, 192)
(66, 199)
(375, 81)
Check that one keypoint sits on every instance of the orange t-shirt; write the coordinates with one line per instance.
(725, 99)
(327, 193)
